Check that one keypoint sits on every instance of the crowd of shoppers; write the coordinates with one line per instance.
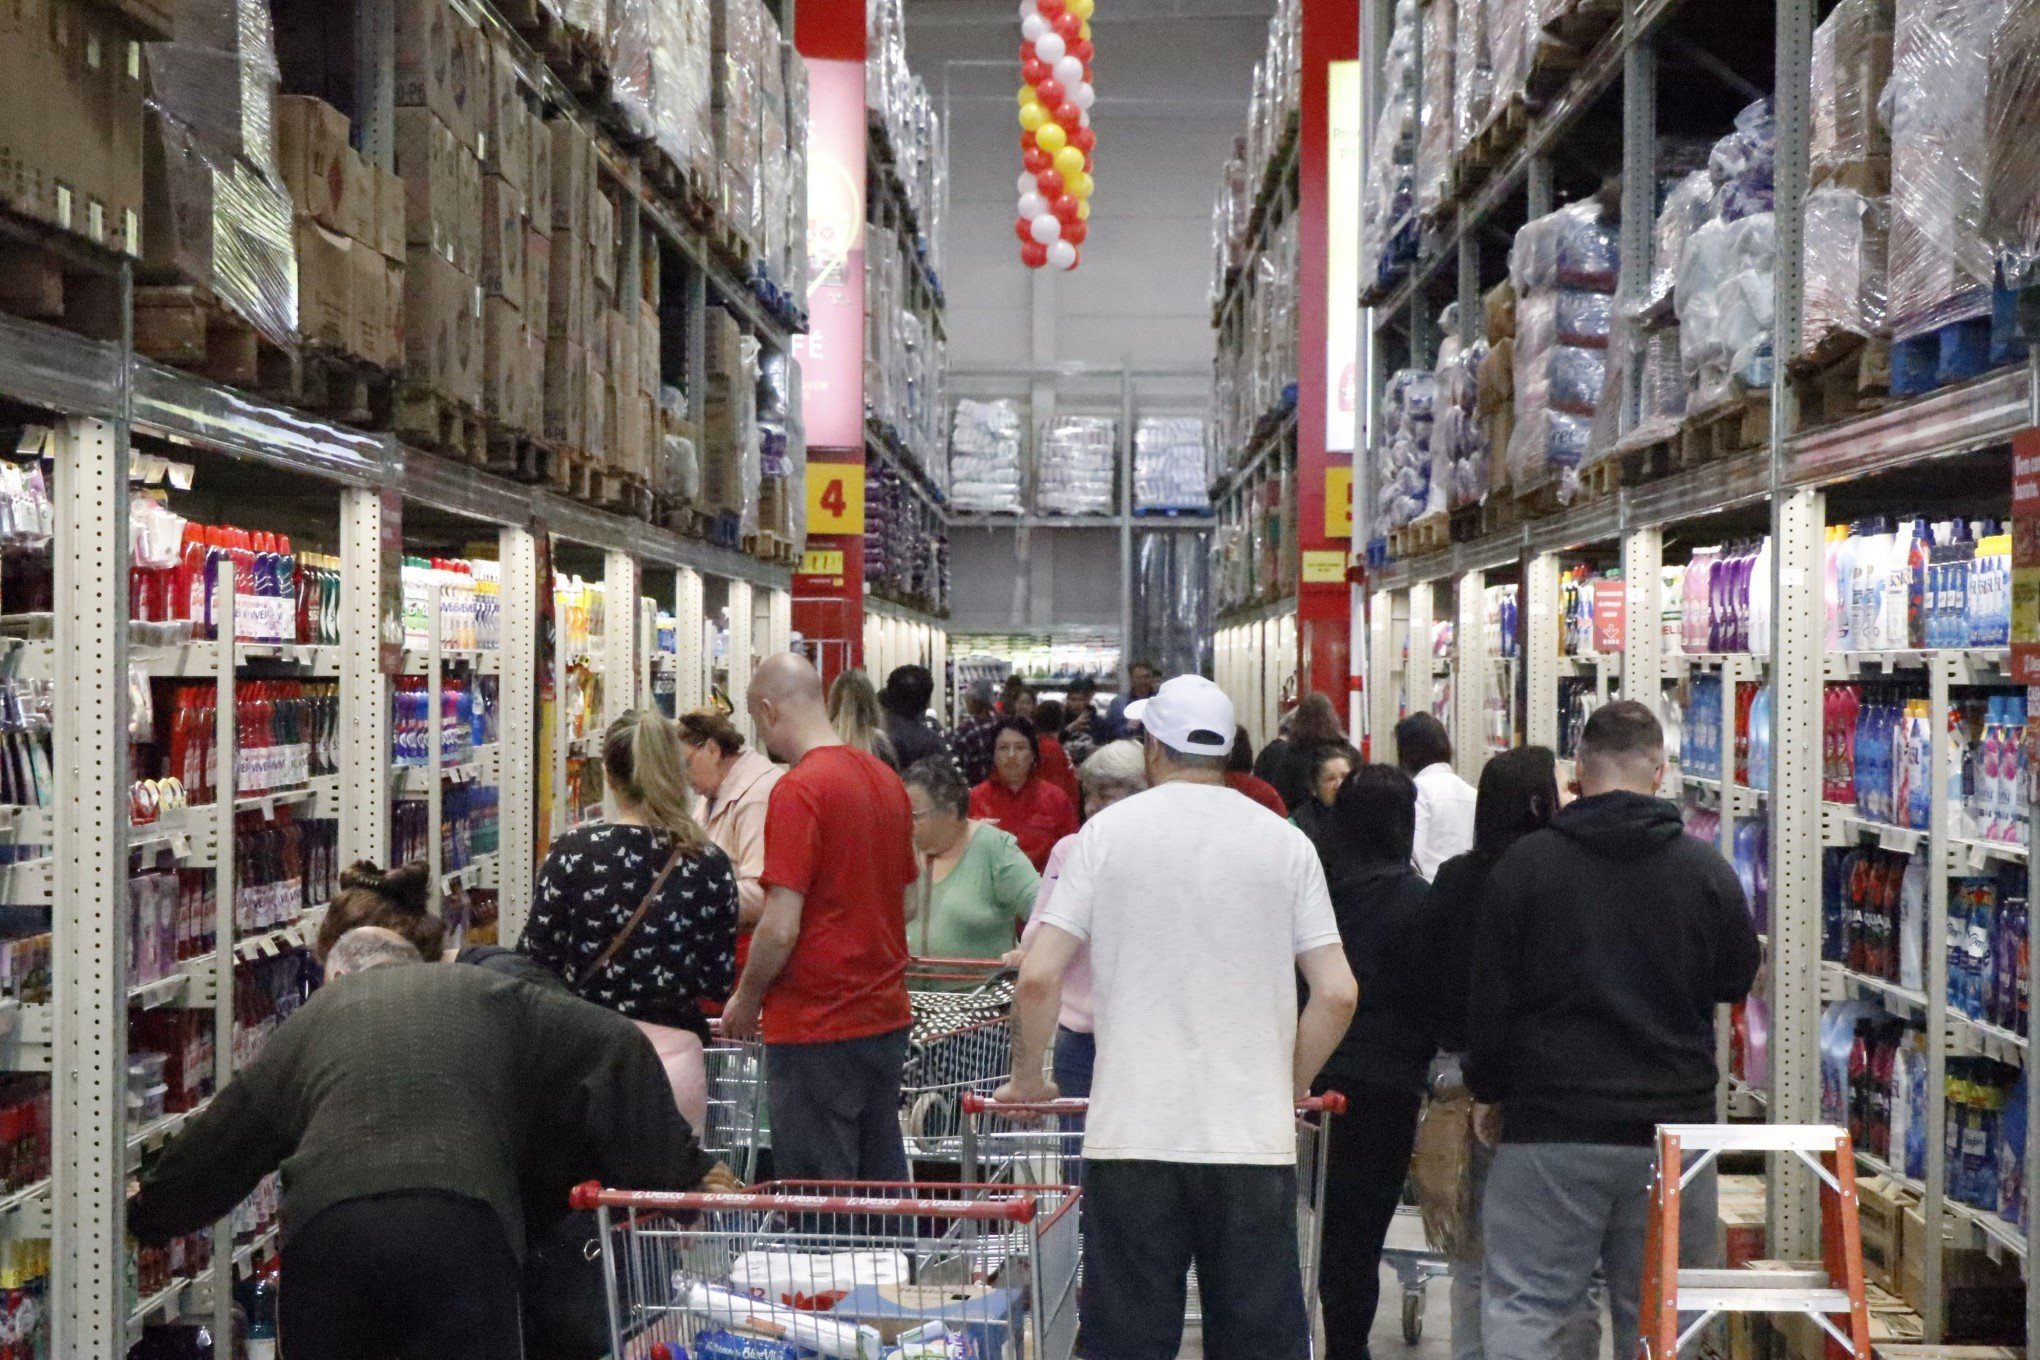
(1191, 962)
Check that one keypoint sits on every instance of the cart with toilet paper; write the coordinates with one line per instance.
(844, 1271)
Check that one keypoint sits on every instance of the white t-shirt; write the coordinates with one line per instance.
(1196, 901)
(1445, 805)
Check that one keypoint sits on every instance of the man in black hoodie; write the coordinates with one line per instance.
(1605, 943)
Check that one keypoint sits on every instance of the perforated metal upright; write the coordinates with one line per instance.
(622, 645)
(1469, 678)
(88, 1275)
(1643, 591)
(1540, 650)
(364, 689)
(738, 654)
(1382, 664)
(779, 624)
(517, 814)
(690, 678)
(1419, 672)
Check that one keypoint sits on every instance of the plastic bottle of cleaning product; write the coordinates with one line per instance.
(1842, 601)
(1760, 600)
(1922, 779)
(1989, 806)
(1916, 606)
(1897, 588)
(1952, 772)
(1760, 739)
(1830, 563)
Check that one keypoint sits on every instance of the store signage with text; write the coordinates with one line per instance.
(821, 562)
(831, 354)
(1339, 502)
(1342, 265)
(1611, 616)
(2026, 558)
(1324, 567)
(835, 498)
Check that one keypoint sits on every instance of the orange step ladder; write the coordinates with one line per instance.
(1823, 1290)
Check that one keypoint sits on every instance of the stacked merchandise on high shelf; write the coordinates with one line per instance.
(984, 458)
(730, 451)
(760, 114)
(1388, 208)
(1045, 660)
(1723, 291)
(1079, 466)
(1408, 488)
(1563, 269)
(1255, 253)
(1170, 465)
(782, 456)
(906, 543)
(1461, 441)
(579, 613)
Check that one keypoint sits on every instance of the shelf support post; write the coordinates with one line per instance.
(1381, 669)
(1643, 659)
(1469, 678)
(517, 753)
(1540, 650)
(738, 655)
(368, 525)
(622, 654)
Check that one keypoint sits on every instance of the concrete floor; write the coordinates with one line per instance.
(1387, 1342)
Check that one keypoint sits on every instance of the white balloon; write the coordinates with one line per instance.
(1062, 255)
(1046, 229)
(1027, 186)
(1033, 205)
(1027, 10)
(1084, 115)
(1084, 97)
(1069, 73)
(1034, 28)
(1048, 44)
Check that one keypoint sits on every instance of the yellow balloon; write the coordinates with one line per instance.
(1079, 185)
(1069, 161)
(1083, 211)
(1027, 96)
(1083, 9)
(1033, 117)
(1047, 135)
(1084, 30)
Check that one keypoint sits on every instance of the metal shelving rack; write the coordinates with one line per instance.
(1789, 479)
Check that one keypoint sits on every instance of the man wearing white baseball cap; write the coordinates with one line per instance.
(1200, 907)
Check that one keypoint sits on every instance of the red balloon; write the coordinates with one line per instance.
(1069, 116)
(1085, 50)
(1050, 181)
(1049, 92)
(1035, 159)
(1023, 229)
(1034, 70)
(1075, 232)
(1034, 255)
(1050, 10)
(1084, 139)
(1068, 25)
(1088, 80)
(1064, 206)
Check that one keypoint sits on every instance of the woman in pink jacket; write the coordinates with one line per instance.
(735, 785)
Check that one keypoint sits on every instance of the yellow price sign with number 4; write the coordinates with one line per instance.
(835, 498)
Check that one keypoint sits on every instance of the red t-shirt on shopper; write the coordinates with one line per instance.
(1055, 767)
(839, 831)
(1260, 790)
(1038, 816)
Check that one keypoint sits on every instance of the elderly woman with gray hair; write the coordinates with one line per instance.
(976, 884)
(1114, 771)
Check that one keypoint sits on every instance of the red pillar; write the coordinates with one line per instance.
(828, 601)
(1331, 33)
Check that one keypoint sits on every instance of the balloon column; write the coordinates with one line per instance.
(1056, 140)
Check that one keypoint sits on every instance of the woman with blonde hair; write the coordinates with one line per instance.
(857, 718)
(639, 914)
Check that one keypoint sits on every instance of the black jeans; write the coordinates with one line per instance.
(1369, 1161)
(836, 1109)
(421, 1276)
(1145, 1222)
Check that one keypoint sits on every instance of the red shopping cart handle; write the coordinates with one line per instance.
(1331, 1102)
(996, 1205)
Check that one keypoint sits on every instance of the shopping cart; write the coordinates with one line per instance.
(849, 1272)
(961, 1044)
(737, 1126)
(1023, 1145)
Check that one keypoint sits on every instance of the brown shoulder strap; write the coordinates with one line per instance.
(637, 917)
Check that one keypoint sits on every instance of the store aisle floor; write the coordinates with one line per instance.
(1387, 1342)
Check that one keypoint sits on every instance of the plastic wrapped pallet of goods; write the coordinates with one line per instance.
(1459, 439)
(1388, 230)
(217, 215)
(1724, 289)
(1686, 208)
(1079, 460)
(1941, 267)
(1851, 63)
(1847, 236)
(1563, 268)
(1473, 74)
(2012, 223)
(1405, 492)
(984, 458)
(1434, 151)
(1508, 32)
(793, 272)
(1169, 464)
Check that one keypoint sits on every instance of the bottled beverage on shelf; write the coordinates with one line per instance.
(262, 1314)
(184, 1041)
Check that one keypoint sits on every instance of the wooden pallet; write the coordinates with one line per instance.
(685, 520)
(770, 548)
(1726, 429)
(1485, 151)
(1500, 512)
(349, 390)
(187, 327)
(1581, 24)
(449, 428)
(1847, 375)
(593, 483)
(48, 275)
(1539, 502)
(517, 454)
(1600, 480)
(1648, 455)
(1432, 533)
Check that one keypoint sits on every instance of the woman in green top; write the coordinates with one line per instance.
(976, 884)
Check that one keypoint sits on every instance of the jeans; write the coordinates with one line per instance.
(836, 1109)
(1554, 1212)
(1075, 1053)
(1146, 1222)
(415, 1276)
(1368, 1161)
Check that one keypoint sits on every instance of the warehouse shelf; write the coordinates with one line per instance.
(882, 168)
(881, 444)
(25, 1213)
(1259, 453)
(1274, 200)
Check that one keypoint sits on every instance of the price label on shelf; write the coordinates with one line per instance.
(835, 498)
(1324, 568)
(821, 562)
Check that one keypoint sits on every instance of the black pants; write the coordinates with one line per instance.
(1368, 1163)
(1145, 1222)
(424, 1276)
(836, 1109)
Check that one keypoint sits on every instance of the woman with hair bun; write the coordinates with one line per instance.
(396, 899)
(639, 914)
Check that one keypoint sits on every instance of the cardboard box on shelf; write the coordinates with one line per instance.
(1892, 1323)
(651, 354)
(71, 120)
(357, 207)
(505, 364)
(437, 49)
(393, 290)
(533, 377)
(602, 241)
(538, 180)
(537, 282)
(311, 138)
(506, 133)
(1984, 1300)
(373, 326)
(566, 393)
(442, 325)
(596, 432)
(325, 266)
(503, 241)
(429, 163)
(1881, 1205)
(467, 240)
(573, 178)
(569, 291)
(389, 214)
